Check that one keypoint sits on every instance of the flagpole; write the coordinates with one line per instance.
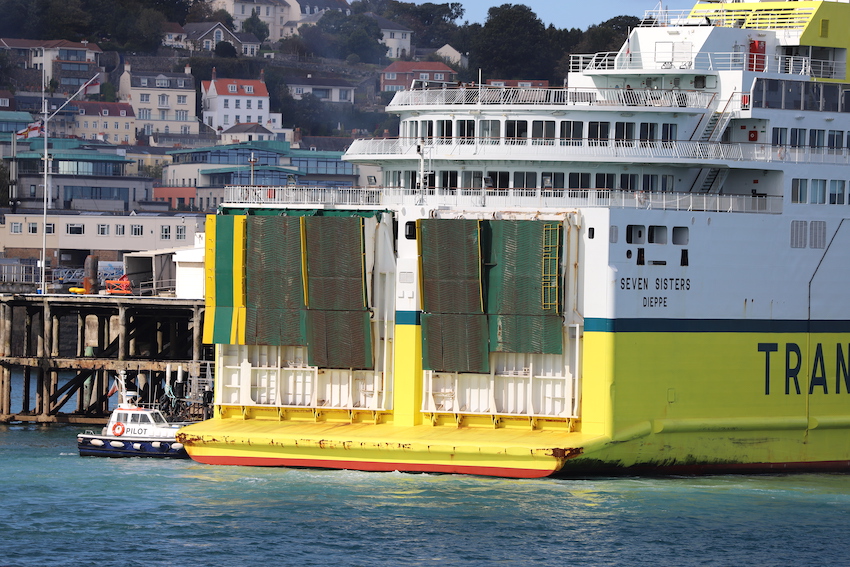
(46, 179)
(47, 163)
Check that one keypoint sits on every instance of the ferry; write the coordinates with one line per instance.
(641, 272)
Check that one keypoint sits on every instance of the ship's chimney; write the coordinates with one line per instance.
(213, 73)
(262, 75)
(187, 69)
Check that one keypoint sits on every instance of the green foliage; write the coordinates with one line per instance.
(338, 35)
(108, 93)
(225, 49)
(512, 45)
(256, 26)
(224, 17)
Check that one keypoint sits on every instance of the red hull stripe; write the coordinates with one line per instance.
(506, 472)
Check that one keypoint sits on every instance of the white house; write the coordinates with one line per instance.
(326, 90)
(227, 102)
(395, 36)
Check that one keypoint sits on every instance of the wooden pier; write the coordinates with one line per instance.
(93, 337)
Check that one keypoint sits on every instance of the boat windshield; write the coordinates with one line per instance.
(158, 418)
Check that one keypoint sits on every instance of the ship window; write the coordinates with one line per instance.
(680, 235)
(444, 129)
(605, 180)
(836, 192)
(669, 133)
(591, 232)
(597, 133)
(779, 136)
(835, 139)
(490, 131)
(135, 418)
(448, 180)
(472, 179)
(465, 131)
(543, 132)
(773, 94)
(410, 230)
(667, 183)
(812, 96)
(498, 179)
(516, 131)
(684, 260)
(122, 416)
(816, 138)
(657, 234)
(798, 234)
(818, 193)
(552, 179)
(613, 234)
(798, 137)
(635, 233)
(830, 98)
(817, 234)
(650, 183)
(628, 181)
(793, 96)
(525, 179)
(641, 260)
(427, 129)
(648, 133)
(578, 180)
(799, 191)
(624, 133)
(699, 82)
(572, 132)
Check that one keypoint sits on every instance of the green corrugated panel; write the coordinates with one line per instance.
(335, 278)
(451, 265)
(273, 260)
(276, 327)
(340, 339)
(455, 343)
(520, 263)
(526, 333)
(223, 315)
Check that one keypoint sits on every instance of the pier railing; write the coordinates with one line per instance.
(533, 198)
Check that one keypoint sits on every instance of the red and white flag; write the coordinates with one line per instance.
(33, 130)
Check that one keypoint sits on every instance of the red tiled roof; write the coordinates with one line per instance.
(221, 87)
(417, 66)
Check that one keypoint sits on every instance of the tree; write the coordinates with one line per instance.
(224, 17)
(512, 45)
(225, 49)
(256, 26)
(199, 12)
(433, 25)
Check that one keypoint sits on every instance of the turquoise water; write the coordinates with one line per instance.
(61, 509)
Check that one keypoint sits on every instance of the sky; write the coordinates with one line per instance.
(568, 13)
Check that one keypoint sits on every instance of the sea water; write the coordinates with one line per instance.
(62, 509)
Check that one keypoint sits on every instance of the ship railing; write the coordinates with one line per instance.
(570, 96)
(503, 198)
(709, 61)
(550, 148)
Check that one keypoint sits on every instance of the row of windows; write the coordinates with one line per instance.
(638, 234)
(238, 119)
(102, 229)
(162, 99)
(180, 115)
(819, 191)
(98, 124)
(542, 132)
(237, 102)
(815, 138)
(798, 95)
(161, 83)
(323, 166)
(501, 180)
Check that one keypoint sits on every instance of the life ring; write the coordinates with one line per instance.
(118, 429)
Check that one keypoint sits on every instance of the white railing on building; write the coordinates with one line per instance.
(504, 199)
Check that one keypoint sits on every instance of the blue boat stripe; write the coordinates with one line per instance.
(408, 318)
(714, 326)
